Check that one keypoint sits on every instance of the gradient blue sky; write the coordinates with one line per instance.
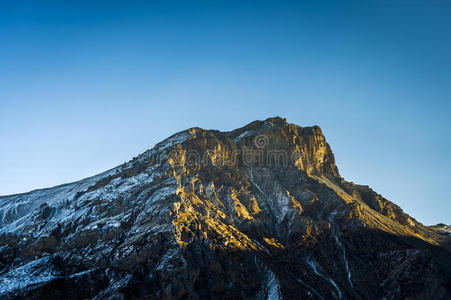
(86, 85)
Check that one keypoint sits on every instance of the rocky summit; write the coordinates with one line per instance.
(260, 212)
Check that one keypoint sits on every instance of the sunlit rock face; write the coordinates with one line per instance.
(260, 212)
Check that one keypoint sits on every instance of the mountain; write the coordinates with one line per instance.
(260, 212)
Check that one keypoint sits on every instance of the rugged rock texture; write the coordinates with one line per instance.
(260, 212)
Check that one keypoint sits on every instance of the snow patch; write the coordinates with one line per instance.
(175, 140)
(271, 286)
(35, 272)
(241, 136)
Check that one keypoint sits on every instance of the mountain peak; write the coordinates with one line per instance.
(270, 143)
(277, 121)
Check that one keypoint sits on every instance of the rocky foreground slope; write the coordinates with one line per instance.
(260, 212)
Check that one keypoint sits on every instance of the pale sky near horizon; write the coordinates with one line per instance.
(87, 85)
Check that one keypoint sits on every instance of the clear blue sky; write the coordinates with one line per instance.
(87, 85)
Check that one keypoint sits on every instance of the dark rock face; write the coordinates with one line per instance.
(259, 212)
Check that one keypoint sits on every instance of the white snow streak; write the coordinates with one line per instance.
(340, 245)
(312, 265)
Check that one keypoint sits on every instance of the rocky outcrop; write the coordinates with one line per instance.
(258, 212)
